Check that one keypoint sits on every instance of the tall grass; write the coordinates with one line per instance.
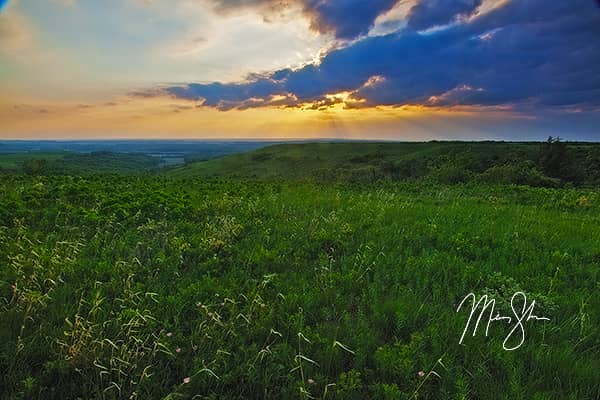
(144, 287)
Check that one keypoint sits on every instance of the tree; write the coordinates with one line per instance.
(554, 159)
(35, 166)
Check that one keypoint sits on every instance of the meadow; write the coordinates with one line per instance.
(328, 271)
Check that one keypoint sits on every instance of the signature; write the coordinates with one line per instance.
(520, 316)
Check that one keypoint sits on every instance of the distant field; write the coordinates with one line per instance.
(170, 152)
(15, 161)
(38, 163)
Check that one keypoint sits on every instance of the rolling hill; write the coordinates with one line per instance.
(443, 162)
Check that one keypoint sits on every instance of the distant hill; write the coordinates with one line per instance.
(111, 156)
(443, 162)
(548, 164)
(168, 152)
(65, 163)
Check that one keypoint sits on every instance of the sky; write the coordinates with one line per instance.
(354, 69)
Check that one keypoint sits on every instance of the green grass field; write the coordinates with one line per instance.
(259, 276)
(292, 161)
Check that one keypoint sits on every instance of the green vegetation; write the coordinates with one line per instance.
(15, 161)
(66, 163)
(104, 162)
(300, 284)
(552, 164)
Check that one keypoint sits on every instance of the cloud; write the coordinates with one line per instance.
(530, 54)
(64, 3)
(15, 31)
(346, 19)
(430, 13)
(221, 95)
(189, 47)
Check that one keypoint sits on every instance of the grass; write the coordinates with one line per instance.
(292, 161)
(291, 289)
(532, 164)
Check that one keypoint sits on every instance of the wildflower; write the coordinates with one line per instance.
(310, 381)
(420, 374)
(169, 334)
(13, 287)
(210, 314)
(178, 350)
(263, 305)
(186, 379)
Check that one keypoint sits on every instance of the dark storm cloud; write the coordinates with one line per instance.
(430, 13)
(531, 54)
(215, 93)
(346, 19)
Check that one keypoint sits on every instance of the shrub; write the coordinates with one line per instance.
(450, 174)
(520, 173)
(35, 166)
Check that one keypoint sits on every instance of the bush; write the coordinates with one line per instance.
(450, 174)
(520, 173)
(556, 161)
(35, 166)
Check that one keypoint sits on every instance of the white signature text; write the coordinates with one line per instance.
(485, 307)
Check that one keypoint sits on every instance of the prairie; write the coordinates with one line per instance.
(251, 276)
